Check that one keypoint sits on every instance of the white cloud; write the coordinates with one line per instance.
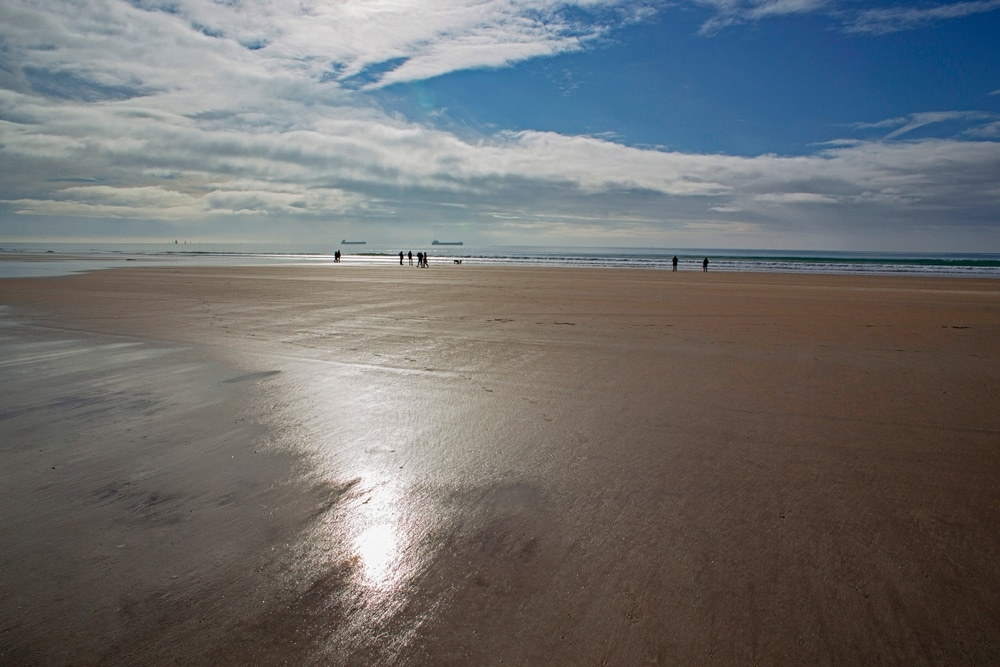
(378, 42)
(893, 19)
(115, 111)
(180, 205)
(733, 12)
(988, 131)
(911, 122)
(165, 169)
(878, 20)
(795, 198)
(355, 162)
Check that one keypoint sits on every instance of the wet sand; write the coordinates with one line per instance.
(475, 465)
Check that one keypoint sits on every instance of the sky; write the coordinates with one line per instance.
(779, 124)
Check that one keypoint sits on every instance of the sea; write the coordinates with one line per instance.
(75, 257)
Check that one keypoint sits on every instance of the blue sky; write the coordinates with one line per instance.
(814, 124)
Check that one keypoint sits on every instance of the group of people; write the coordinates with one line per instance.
(422, 259)
(704, 264)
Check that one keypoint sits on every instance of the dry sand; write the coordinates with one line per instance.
(471, 465)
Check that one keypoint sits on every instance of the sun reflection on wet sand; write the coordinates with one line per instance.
(376, 547)
(379, 536)
(363, 428)
(356, 419)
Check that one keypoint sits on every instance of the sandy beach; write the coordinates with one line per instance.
(474, 465)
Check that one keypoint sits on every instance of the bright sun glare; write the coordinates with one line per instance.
(376, 547)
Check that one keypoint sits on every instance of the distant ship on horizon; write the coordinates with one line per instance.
(346, 242)
(436, 242)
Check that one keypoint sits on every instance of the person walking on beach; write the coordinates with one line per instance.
(420, 259)
(675, 263)
(410, 255)
(704, 265)
(426, 258)
(400, 257)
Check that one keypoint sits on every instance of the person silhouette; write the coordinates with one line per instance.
(410, 255)
(420, 259)
(400, 257)
(675, 262)
(704, 265)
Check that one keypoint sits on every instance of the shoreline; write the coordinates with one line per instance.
(521, 463)
(967, 265)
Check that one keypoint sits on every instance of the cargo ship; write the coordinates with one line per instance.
(346, 242)
(436, 242)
